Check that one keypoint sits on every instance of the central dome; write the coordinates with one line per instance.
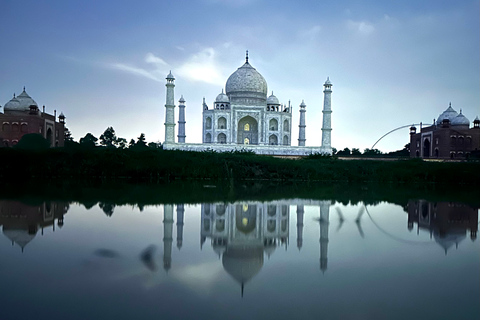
(246, 86)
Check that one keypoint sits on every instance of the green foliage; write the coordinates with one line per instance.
(372, 152)
(108, 138)
(148, 164)
(89, 141)
(356, 152)
(344, 152)
(32, 141)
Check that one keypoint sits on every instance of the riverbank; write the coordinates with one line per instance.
(156, 165)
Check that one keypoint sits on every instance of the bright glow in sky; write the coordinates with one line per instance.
(104, 63)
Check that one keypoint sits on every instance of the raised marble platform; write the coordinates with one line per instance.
(276, 150)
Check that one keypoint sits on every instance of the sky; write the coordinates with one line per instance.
(104, 63)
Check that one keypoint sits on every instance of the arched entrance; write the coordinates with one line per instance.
(247, 131)
(49, 136)
(426, 148)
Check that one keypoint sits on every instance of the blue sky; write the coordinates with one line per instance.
(103, 63)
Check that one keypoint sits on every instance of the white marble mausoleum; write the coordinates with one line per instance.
(244, 118)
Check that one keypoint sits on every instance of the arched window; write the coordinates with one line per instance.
(273, 140)
(271, 225)
(208, 123)
(271, 210)
(6, 127)
(286, 127)
(222, 138)
(453, 140)
(220, 209)
(220, 225)
(285, 140)
(246, 141)
(208, 138)
(222, 123)
(246, 127)
(273, 125)
(24, 127)
(15, 127)
(436, 152)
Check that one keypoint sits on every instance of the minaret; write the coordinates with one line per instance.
(301, 126)
(180, 214)
(170, 110)
(167, 236)
(327, 117)
(300, 212)
(324, 223)
(181, 120)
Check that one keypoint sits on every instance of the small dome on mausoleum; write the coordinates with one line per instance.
(222, 98)
(273, 100)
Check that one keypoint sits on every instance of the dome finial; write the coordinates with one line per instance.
(23, 88)
(246, 57)
(450, 104)
(14, 95)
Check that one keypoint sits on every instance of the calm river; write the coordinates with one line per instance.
(277, 259)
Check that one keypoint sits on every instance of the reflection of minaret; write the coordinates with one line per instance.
(300, 212)
(180, 213)
(167, 236)
(324, 222)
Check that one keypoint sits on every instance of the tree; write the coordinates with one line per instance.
(372, 152)
(334, 151)
(68, 135)
(89, 141)
(131, 144)
(344, 152)
(141, 141)
(32, 141)
(356, 152)
(108, 138)
(122, 143)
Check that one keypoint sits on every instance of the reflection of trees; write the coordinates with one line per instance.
(107, 208)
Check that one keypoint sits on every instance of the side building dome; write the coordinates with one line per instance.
(12, 105)
(448, 114)
(246, 86)
(460, 120)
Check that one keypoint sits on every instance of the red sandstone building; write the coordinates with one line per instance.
(21, 116)
(450, 137)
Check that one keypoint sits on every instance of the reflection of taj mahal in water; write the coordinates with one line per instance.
(241, 234)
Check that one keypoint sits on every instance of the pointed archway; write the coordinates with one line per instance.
(247, 132)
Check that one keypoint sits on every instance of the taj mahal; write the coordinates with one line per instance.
(244, 118)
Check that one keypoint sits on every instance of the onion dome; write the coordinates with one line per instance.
(243, 263)
(222, 98)
(303, 105)
(182, 101)
(12, 105)
(448, 114)
(476, 120)
(246, 86)
(460, 120)
(25, 101)
(328, 83)
(170, 76)
(273, 100)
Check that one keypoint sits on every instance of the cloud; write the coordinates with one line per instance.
(151, 58)
(202, 67)
(362, 27)
(160, 68)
